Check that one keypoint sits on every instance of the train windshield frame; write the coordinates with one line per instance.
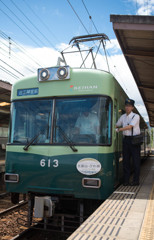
(83, 120)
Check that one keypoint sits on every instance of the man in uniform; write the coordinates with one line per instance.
(128, 123)
(87, 123)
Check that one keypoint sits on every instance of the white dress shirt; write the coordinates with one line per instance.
(131, 119)
(87, 124)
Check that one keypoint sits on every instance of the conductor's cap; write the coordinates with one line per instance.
(129, 102)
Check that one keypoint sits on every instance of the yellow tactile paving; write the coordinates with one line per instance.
(107, 220)
(147, 232)
(120, 216)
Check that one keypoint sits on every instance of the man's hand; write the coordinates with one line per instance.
(117, 130)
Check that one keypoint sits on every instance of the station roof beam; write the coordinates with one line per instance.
(135, 35)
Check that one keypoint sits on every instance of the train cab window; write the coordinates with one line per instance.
(83, 120)
(30, 119)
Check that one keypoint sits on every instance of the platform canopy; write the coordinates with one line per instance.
(5, 93)
(135, 35)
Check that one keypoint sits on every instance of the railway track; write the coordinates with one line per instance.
(37, 234)
(6, 211)
(4, 194)
(25, 234)
(9, 214)
(59, 227)
(13, 222)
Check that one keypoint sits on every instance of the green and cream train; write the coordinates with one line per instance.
(63, 142)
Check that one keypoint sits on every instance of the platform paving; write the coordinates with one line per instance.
(122, 216)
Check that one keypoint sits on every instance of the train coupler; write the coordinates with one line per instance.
(43, 207)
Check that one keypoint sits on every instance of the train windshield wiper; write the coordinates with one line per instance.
(68, 140)
(31, 141)
(35, 137)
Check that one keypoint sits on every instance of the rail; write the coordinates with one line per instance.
(20, 204)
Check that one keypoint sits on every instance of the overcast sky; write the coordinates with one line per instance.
(33, 32)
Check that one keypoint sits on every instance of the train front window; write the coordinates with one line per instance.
(78, 120)
(83, 120)
(29, 119)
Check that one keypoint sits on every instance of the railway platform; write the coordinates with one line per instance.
(128, 214)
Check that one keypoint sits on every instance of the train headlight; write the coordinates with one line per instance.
(91, 182)
(53, 73)
(62, 72)
(44, 74)
(11, 177)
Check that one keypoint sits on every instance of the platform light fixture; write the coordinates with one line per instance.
(3, 104)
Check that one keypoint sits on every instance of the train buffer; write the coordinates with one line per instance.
(128, 214)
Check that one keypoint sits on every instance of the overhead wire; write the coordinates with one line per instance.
(90, 17)
(33, 25)
(114, 74)
(28, 67)
(8, 72)
(7, 63)
(4, 44)
(19, 27)
(13, 44)
(12, 67)
(78, 16)
(22, 24)
(80, 20)
(19, 60)
(24, 51)
(20, 48)
(41, 21)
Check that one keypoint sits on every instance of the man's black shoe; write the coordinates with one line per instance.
(126, 184)
(135, 184)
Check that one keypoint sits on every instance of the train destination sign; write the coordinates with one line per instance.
(88, 166)
(28, 91)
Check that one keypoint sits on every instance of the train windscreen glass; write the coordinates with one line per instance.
(80, 120)
(29, 119)
(84, 120)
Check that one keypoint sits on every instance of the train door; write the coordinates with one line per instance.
(116, 144)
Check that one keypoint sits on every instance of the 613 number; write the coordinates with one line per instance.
(49, 163)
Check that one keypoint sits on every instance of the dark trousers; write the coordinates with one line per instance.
(130, 150)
